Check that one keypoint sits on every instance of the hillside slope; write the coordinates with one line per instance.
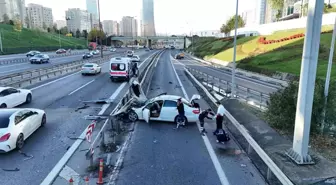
(26, 39)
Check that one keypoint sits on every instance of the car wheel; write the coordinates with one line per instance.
(28, 98)
(177, 121)
(32, 62)
(132, 116)
(44, 120)
(20, 142)
(3, 106)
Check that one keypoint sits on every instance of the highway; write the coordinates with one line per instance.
(23, 55)
(160, 155)
(60, 98)
(253, 84)
(20, 67)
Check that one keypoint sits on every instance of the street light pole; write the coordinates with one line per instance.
(1, 49)
(233, 84)
(299, 151)
(326, 86)
(100, 31)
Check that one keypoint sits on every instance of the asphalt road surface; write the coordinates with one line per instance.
(20, 67)
(23, 55)
(161, 155)
(253, 84)
(59, 98)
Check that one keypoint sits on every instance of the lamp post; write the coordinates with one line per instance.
(233, 85)
(100, 31)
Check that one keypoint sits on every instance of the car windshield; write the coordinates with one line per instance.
(88, 65)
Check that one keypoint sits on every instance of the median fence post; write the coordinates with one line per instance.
(247, 93)
(260, 100)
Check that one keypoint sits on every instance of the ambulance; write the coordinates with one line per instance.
(120, 69)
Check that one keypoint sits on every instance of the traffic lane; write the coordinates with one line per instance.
(237, 166)
(227, 77)
(23, 55)
(60, 101)
(160, 155)
(21, 67)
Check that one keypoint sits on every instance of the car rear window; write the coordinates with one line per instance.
(88, 65)
(4, 117)
(118, 67)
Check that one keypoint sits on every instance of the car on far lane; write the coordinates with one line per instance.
(39, 59)
(179, 56)
(113, 49)
(167, 109)
(11, 97)
(32, 53)
(87, 55)
(135, 58)
(90, 68)
(61, 51)
(95, 52)
(130, 53)
(16, 125)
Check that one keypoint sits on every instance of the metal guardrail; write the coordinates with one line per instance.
(272, 167)
(22, 60)
(222, 87)
(7, 80)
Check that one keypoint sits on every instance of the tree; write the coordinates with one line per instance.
(230, 24)
(27, 21)
(17, 25)
(11, 22)
(78, 33)
(96, 34)
(277, 4)
(54, 28)
(64, 30)
(5, 18)
(49, 30)
(44, 26)
(85, 34)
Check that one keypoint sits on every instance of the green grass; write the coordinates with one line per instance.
(278, 57)
(18, 42)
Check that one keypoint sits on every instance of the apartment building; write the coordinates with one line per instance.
(110, 27)
(78, 19)
(129, 26)
(39, 17)
(14, 9)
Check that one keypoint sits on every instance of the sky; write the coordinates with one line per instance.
(171, 16)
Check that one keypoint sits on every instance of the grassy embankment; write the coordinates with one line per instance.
(27, 39)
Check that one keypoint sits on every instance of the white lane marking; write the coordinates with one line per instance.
(218, 167)
(58, 167)
(79, 88)
(68, 173)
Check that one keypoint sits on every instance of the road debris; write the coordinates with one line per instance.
(27, 157)
(82, 107)
(11, 170)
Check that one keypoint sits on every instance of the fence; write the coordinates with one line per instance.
(223, 88)
(272, 168)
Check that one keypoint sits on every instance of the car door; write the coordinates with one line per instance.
(169, 110)
(10, 98)
(146, 114)
(17, 96)
(22, 123)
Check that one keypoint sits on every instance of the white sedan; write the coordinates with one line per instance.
(91, 68)
(11, 97)
(16, 125)
(135, 58)
(167, 109)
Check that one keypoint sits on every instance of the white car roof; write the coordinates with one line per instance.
(89, 64)
(168, 97)
(120, 60)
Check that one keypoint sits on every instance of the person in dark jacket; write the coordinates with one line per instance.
(134, 69)
(180, 110)
(204, 114)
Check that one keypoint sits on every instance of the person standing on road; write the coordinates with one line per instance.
(204, 114)
(134, 69)
(180, 109)
(219, 117)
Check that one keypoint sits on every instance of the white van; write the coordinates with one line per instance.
(120, 68)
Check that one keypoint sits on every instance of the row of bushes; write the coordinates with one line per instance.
(262, 40)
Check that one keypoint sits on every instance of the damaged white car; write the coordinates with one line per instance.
(160, 108)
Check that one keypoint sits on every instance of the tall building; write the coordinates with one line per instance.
(129, 26)
(260, 11)
(91, 7)
(39, 17)
(119, 28)
(249, 17)
(77, 19)
(14, 9)
(60, 24)
(270, 13)
(148, 23)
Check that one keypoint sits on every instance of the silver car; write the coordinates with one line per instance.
(39, 59)
(90, 68)
(135, 58)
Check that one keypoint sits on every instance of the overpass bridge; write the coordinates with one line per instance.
(167, 40)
